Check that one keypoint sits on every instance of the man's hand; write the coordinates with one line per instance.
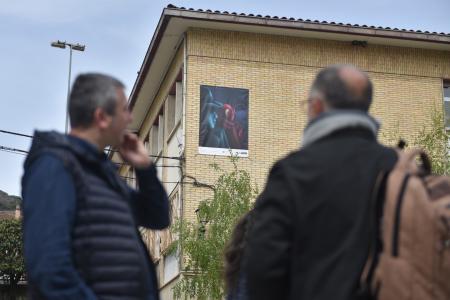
(133, 151)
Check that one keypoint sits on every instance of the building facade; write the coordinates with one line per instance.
(212, 81)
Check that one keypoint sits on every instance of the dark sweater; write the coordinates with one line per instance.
(52, 221)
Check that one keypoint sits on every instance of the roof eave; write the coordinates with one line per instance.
(245, 20)
(309, 26)
(151, 51)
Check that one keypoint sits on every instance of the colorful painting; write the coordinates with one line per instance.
(223, 121)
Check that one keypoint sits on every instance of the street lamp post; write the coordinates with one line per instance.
(78, 47)
(203, 220)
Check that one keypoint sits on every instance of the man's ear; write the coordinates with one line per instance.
(101, 119)
(316, 106)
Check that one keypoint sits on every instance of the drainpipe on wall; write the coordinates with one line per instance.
(183, 149)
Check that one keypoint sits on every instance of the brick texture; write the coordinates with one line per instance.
(278, 72)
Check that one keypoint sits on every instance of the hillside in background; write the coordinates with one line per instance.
(8, 202)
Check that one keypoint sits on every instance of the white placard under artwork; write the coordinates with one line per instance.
(223, 152)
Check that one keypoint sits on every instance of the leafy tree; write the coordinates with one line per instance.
(8, 202)
(202, 243)
(434, 139)
(12, 266)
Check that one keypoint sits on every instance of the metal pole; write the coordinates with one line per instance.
(78, 47)
(68, 90)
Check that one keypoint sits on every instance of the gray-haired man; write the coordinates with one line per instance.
(80, 218)
(310, 237)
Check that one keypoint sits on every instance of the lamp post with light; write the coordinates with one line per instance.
(78, 47)
(202, 220)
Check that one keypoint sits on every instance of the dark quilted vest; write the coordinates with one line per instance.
(107, 248)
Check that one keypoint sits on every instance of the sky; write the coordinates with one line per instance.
(33, 75)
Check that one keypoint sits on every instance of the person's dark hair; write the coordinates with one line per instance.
(90, 91)
(234, 251)
(337, 93)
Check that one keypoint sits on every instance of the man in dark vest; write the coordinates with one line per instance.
(81, 220)
(310, 237)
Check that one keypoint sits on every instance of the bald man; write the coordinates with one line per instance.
(310, 237)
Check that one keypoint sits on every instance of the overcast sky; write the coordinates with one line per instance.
(33, 75)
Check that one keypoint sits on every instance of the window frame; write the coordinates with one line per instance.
(446, 86)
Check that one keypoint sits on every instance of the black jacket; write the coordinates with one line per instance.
(310, 235)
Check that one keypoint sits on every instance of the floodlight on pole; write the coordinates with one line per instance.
(77, 47)
(59, 44)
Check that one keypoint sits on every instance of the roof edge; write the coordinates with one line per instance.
(152, 48)
(300, 24)
(272, 21)
(306, 21)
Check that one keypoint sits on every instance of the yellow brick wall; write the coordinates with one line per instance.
(278, 71)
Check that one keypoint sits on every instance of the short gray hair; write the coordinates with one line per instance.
(336, 92)
(90, 91)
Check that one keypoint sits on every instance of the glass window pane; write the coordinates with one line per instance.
(170, 267)
(447, 114)
(447, 91)
(179, 101)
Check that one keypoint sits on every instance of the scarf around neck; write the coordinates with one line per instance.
(335, 120)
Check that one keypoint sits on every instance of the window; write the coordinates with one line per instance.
(147, 144)
(175, 211)
(170, 113)
(153, 139)
(175, 206)
(145, 235)
(167, 237)
(156, 135)
(157, 245)
(170, 266)
(178, 102)
(447, 104)
(130, 178)
(160, 133)
(158, 276)
(173, 107)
